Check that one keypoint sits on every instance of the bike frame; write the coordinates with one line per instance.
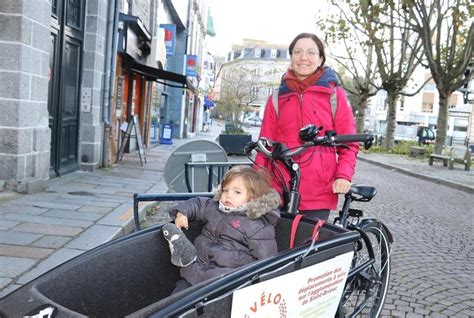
(348, 218)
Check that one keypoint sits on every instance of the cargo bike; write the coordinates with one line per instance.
(343, 272)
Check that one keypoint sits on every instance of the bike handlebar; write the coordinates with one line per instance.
(272, 149)
(353, 138)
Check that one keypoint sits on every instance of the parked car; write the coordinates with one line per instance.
(253, 121)
(426, 135)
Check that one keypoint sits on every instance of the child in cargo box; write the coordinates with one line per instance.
(239, 226)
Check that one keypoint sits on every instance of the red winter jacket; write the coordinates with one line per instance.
(319, 166)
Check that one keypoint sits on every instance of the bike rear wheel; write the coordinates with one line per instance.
(368, 281)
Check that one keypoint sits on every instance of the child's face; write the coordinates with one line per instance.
(234, 194)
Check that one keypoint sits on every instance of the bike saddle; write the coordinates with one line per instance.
(362, 192)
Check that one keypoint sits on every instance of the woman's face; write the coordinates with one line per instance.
(305, 58)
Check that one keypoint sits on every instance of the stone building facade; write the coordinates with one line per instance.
(59, 81)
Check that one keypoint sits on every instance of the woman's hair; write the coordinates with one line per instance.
(257, 182)
(316, 40)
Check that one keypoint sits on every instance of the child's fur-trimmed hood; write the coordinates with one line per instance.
(258, 207)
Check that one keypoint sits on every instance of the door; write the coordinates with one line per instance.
(67, 18)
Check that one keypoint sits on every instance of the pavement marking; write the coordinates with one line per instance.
(24, 251)
(127, 215)
(49, 229)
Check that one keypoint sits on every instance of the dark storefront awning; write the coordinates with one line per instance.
(158, 75)
(154, 74)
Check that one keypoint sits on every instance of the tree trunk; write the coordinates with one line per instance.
(391, 120)
(360, 119)
(442, 123)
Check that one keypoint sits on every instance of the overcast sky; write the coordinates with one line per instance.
(277, 21)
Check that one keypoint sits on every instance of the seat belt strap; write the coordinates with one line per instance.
(294, 227)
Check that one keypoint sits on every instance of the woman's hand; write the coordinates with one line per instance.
(181, 221)
(341, 186)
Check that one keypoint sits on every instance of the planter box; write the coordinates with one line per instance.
(234, 144)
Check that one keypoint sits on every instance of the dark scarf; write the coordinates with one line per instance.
(299, 86)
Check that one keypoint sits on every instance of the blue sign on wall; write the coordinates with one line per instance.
(191, 65)
(170, 38)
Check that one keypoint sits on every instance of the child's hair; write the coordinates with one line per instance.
(257, 182)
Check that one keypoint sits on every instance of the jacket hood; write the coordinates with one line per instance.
(329, 79)
(266, 204)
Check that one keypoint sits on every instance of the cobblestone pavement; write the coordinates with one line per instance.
(457, 178)
(433, 250)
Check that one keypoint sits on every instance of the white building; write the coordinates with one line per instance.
(422, 109)
(266, 64)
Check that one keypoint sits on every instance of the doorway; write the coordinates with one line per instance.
(65, 73)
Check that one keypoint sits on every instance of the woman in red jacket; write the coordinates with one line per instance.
(304, 98)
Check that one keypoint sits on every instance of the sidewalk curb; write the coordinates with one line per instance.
(141, 216)
(450, 184)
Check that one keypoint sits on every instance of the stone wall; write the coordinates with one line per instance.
(24, 63)
(93, 81)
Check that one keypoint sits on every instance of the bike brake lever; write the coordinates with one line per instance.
(263, 144)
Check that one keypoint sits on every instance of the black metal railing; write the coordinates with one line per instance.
(141, 197)
(215, 172)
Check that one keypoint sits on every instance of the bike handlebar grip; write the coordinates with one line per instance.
(353, 138)
(262, 145)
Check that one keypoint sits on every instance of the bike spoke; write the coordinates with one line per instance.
(365, 292)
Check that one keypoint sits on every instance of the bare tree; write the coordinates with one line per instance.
(239, 90)
(382, 31)
(356, 59)
(397, 49)
(447, 33)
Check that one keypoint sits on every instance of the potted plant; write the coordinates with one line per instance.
(234, 139)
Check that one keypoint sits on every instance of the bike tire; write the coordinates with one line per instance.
(365, 292)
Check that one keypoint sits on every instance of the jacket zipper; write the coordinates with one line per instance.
(219, 229)
(297, 159)
(301, 109)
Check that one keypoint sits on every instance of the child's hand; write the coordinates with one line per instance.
(181, 221)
